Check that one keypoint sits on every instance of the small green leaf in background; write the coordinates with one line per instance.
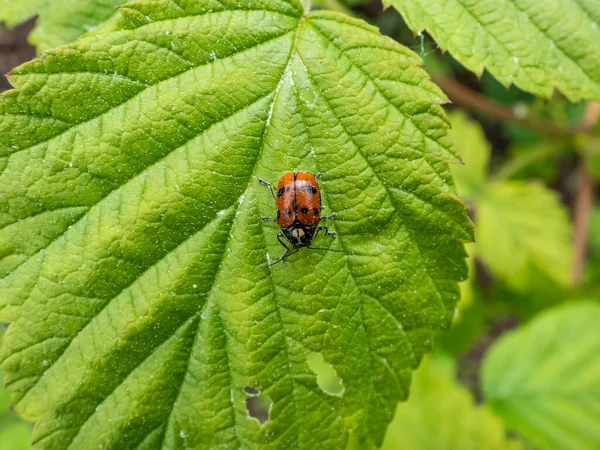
(440, 414)
(592, 268)
(544, 378)
(59, 21)
(593, 162)
(12, 13)
(523, 230)
(533, 160)
(15, 434)
(537, 45)
(468, 320)
(134, 260)
(467, 286)
(472, 146)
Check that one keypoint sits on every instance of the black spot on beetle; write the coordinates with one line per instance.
(313, 190)
(278, 214)
(280, 192)
(288, 212)
(315, 211)
(304, 211)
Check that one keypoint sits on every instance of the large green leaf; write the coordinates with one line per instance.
(544, 378)
(134, 261)
(537, 45)
(441, 414)
(523, 233)
(59, 21)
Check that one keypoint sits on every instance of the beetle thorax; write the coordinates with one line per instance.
(298, 233)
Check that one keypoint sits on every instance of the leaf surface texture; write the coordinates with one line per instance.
(537, 45)
(143, 306)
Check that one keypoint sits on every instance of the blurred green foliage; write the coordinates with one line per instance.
(544, 378)
(440, 414)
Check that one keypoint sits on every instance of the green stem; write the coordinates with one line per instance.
(306, 4)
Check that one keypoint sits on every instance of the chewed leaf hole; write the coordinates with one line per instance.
(257, 405)
(249, 390)
(327, 378)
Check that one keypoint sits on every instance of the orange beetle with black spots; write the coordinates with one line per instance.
(298, 199)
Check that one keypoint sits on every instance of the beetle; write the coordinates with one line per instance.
(298, 201)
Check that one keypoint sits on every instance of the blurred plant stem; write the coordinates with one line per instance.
(585, 192)
(584, 199)
(471, 99)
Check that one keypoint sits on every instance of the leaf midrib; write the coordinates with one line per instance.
(132, 180)
(158, 161)
(351, 137)
(236, 204)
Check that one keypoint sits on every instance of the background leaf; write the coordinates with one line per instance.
(523, 232)
(59, 21)
(441, 414)
(13, 13)
(134, 259)
(536, 45)
(544, 379)
(592, 269)
(15, 434)
(474, 150)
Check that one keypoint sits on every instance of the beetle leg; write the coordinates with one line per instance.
(287, 250)
(279, 236)
(330, 216)
(266, 183)
(327, 232)
(267, 219)
(317, 176)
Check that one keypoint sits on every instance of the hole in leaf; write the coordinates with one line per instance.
(249, 390)
(257, 405)
(327, 378)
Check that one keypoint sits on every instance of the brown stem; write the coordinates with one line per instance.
(584, 200)
(466, 97)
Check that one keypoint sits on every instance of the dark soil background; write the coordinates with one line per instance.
(14, 50)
